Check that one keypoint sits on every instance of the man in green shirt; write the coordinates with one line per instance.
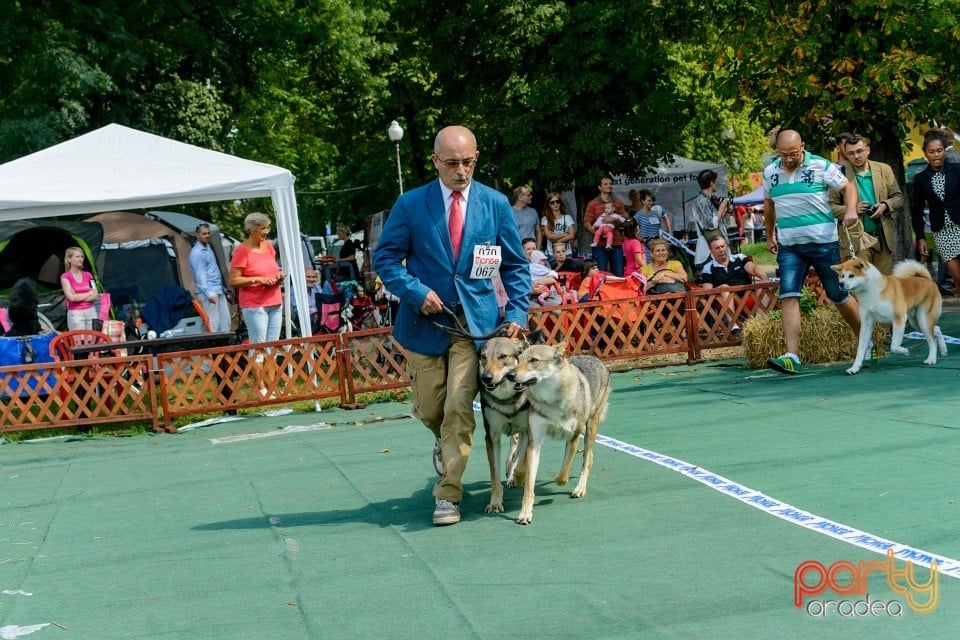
(881, 203)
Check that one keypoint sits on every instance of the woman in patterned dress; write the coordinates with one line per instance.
(937, 188)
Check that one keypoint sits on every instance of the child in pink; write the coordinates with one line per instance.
(604, 232)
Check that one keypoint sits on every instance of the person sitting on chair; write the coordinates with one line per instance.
(725, 270)
(663, 274)
(313, 288)
(564, 262)
(543, 279)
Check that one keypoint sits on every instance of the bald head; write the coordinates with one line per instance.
(788, 137)
(790, 149)
(454, 136)
(454, 156)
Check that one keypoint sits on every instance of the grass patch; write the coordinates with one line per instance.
(758, 251)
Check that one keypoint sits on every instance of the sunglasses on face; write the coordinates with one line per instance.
(453, 163)
(554, 202)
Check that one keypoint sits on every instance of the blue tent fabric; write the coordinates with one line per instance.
(167, 308)
(749, 199)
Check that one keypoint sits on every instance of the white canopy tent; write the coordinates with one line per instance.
(116, 168)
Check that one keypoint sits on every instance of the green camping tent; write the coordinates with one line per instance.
(35, 249)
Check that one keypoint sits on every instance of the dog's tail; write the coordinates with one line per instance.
(911, 268)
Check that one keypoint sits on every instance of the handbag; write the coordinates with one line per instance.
(665, 287)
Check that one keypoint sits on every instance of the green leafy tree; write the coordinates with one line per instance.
(720, 128)
(866, 66)
(556, 91)
(271, 80)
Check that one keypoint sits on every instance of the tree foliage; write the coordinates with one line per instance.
(720, 128)
(862, 65)
(556, 91)
(866, 66)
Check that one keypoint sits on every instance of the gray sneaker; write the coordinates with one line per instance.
(438, 458)
(446, 513)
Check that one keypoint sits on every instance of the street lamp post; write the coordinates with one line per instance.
(396, 135)
(729, 136)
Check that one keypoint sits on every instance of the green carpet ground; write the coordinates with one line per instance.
(323, 531)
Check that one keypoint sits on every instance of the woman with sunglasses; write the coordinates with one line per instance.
(557, 224)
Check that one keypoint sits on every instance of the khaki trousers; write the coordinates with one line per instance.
(443, 391)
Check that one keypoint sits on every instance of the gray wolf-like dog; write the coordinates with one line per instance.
(568, 399)
(505, 412)
(909, 293)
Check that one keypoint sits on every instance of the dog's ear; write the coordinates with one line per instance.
(536, 337)
(837, 267)
(561, 350)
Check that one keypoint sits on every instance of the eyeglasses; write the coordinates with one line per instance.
(453, 163)
(790, 154)
(554, 202)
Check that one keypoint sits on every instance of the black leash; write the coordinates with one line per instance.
(461, 331)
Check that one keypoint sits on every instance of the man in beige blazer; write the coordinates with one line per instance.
(881, 203)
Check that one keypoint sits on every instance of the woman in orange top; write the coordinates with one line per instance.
(255, 274)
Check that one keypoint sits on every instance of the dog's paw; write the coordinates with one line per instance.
(561, 480)
(932, 360)
(901, 350)
(578, 493)
(524, 518)
(853, 371)
(495, 507)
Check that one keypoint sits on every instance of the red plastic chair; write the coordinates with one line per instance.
(62, 345)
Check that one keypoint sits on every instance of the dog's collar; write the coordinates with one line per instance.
(497, 408)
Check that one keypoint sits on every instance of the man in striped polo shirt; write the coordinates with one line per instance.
(802, 231)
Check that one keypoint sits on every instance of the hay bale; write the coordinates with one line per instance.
(824, 338)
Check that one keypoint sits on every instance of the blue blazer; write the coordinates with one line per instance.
(416, 232)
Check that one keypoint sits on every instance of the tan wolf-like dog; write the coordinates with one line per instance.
(505, 412)
(568, 399)
(909, 293)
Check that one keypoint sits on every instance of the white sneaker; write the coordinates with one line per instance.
(446, 513)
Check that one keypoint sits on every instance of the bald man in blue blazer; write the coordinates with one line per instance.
(418, 262)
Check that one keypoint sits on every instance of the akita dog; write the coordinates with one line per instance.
(568, 399)
(909, 293)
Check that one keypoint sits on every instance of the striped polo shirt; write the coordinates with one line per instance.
(803, 209)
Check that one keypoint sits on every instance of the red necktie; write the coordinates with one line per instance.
(456, 224)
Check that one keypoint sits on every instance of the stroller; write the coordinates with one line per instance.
(330, 303)
(328, 318)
